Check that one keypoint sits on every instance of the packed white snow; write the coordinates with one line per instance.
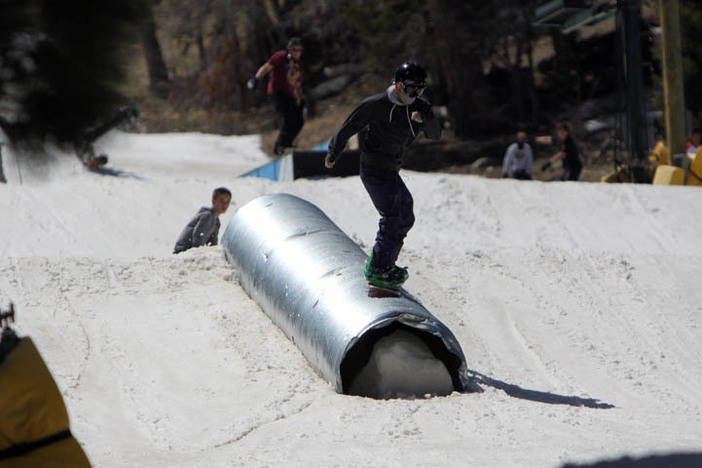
(401, 365)
(578, 307)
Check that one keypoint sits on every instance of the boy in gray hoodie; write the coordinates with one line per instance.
(203, 229)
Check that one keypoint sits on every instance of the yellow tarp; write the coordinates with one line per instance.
(694, 173)
(660, 156)
(31, 410)
(669, 175)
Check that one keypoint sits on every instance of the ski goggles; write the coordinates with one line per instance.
(413, 88)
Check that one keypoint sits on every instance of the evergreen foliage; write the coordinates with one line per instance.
(392, 32)
(61, 61)
(60, 65)
(691, 25)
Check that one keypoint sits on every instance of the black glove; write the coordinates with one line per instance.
(252, 83)
(545, 165)
(329, 161)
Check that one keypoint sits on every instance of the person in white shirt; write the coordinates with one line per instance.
(519, 159)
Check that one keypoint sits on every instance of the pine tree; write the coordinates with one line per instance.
(60, 65)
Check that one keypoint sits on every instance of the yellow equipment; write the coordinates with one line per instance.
(694, 173)
(669, 175)
(34, 425)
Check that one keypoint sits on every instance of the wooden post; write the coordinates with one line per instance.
(676, 135)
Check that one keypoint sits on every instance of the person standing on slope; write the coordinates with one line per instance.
(285, 91)
(568, 153)
(386, 125)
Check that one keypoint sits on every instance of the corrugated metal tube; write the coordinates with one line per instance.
(306, 275)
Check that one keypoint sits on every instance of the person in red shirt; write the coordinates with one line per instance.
(285, 91)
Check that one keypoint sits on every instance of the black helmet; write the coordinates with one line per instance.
(294, 42)
(410, 71)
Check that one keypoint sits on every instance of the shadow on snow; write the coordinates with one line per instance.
(677, 460)
(535, 395)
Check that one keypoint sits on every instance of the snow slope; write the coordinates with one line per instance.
(578, 306)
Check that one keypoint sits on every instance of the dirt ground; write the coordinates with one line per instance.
(451, 155)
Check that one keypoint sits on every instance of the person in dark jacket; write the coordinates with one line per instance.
(203, 229)
(285, 91)
(568, 153)
(386, 125)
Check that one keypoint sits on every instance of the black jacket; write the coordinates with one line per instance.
(572, 156)
(385, 130)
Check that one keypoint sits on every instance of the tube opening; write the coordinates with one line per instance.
(398, 361)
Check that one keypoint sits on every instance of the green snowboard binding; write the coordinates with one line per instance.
(391, 278)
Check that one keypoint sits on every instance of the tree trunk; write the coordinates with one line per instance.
(461, 67)
(673, 82)
(531, 87)
(201, 53)
(517, 82)
(159, 84)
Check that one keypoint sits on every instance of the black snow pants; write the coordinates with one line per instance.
(289, 117)
(396, 207)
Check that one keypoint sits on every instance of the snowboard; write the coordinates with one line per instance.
(380, 292)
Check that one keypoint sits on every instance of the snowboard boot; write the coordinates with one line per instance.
(391, 277)
(280, 150)
(399, 273)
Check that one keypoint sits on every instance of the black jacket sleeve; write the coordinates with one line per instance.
(354, 123)
(431, 126)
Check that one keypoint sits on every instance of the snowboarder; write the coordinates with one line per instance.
(386, 125)
(285, 91)
(84, 146)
